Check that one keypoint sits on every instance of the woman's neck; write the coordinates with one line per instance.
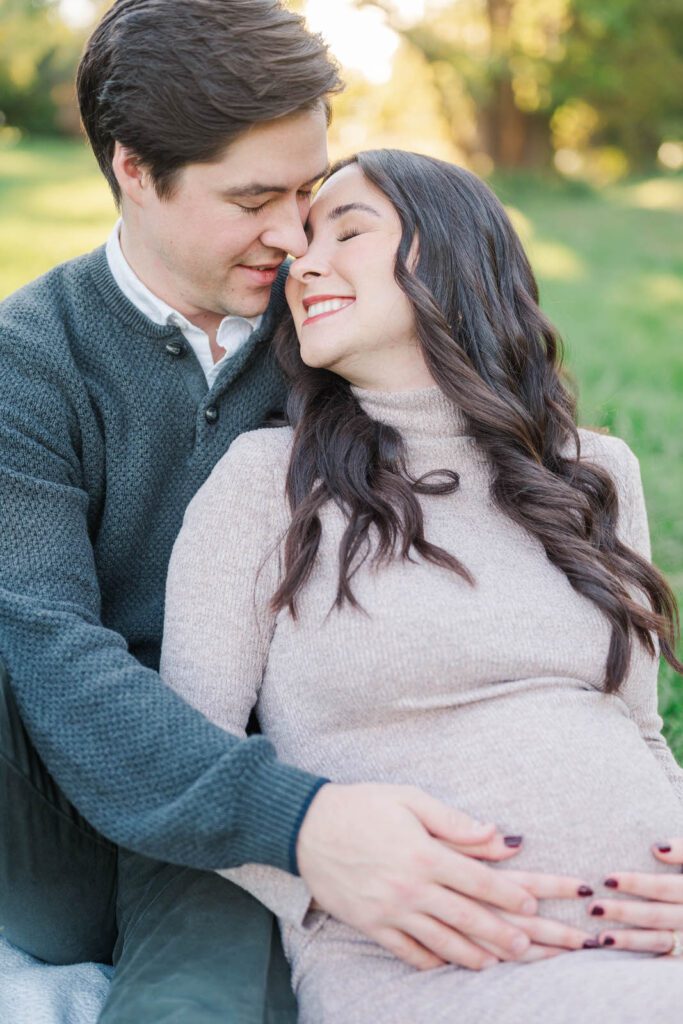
(416, 413)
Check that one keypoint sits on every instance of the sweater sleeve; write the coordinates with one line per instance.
(218, 624)
(144, 767)
(639, 689)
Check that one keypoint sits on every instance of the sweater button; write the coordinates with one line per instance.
(175, 348)
(211, 414)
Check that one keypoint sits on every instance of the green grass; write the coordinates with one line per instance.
(610, 268)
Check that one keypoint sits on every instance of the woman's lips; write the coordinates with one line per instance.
(329, 312)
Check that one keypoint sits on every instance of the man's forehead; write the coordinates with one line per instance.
(284, 153)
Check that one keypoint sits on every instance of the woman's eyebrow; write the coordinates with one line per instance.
(339, 211)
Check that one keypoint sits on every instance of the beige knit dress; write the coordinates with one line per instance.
(487, 696)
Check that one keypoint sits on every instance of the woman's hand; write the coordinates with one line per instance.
(547, 937)
(655, 915)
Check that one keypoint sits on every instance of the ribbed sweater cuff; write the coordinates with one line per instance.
(279, 797)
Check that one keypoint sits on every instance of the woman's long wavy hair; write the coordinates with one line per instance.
(491, 351)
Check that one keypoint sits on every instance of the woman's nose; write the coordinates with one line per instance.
(307, 269)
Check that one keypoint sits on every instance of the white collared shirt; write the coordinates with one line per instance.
(232, 332)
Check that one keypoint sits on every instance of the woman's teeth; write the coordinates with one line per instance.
(328, 306)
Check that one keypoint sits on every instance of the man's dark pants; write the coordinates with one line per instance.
(188, 947)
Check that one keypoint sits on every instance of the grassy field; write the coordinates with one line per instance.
(610, 268)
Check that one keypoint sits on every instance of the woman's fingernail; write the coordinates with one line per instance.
(529, 907)
(584, 890)
(520, 944)
(591, 944)
(598, 911)
(608, 940)
(513, 841)
(663, 847)
(489, 962)
(611, 883)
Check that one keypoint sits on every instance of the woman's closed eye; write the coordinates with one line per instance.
(352, 233)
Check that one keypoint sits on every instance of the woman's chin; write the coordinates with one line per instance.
(318, 360)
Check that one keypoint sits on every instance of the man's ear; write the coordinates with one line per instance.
(133, 179)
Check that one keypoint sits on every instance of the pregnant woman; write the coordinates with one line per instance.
(431, 577)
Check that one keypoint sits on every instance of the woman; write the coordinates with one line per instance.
(431, 577)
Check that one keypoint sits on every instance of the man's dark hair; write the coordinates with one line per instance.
(176, 81)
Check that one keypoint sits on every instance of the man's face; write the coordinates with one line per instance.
(214, 246)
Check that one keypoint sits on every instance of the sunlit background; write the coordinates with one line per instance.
(572, 109)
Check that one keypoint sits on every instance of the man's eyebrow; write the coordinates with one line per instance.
(339, 211)
(256, 188)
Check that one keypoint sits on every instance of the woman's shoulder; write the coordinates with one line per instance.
(614, 455)
(270, 446)
(250, 477)
(610, 452)
(256, 453)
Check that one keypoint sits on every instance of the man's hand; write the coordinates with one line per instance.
(400, 867)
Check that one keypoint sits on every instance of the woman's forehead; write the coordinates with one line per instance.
(347, 186)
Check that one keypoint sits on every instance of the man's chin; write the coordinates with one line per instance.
(248, 307)
(248, 303)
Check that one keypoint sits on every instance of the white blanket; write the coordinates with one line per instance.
(32, 992)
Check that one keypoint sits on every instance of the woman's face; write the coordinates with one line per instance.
(350, 315)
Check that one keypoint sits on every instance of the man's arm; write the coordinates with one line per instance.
(146, 769)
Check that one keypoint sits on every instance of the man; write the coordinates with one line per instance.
(124, 376)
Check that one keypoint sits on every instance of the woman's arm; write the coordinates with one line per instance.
(640, 687)
(218, 624)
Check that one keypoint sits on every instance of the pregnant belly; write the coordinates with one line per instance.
(568, 770)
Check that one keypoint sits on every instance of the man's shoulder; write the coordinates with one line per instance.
(56, 286)
(41, 312)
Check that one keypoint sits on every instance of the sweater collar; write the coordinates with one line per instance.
(421, 413)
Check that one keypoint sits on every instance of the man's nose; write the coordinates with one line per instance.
(287, 234)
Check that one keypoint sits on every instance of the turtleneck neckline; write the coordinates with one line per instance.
(422, 412)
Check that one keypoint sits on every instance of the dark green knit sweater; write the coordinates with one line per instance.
(107, 429)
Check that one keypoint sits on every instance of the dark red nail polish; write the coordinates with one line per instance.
(513, 841)
(591, 944)
(611, 883)
(584, 890)
(664, 848)
(608, 940)
(598, 911)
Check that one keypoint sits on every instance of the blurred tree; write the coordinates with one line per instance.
(625, 59)
(553, 74)
(38, 55)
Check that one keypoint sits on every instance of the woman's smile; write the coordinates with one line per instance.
(319, 306)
